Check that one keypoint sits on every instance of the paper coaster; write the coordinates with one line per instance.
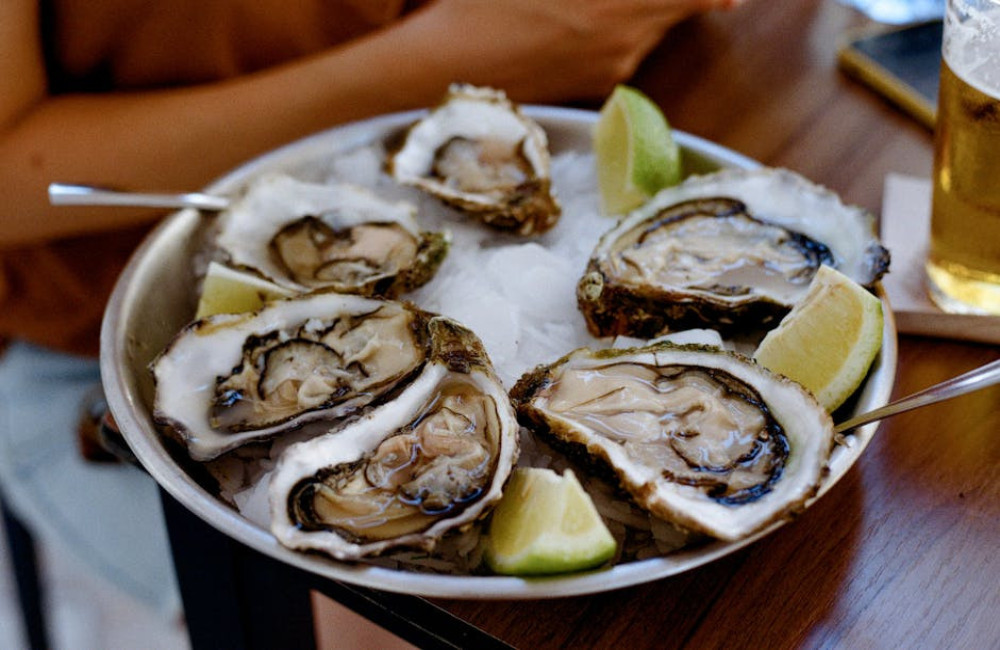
(906, 215)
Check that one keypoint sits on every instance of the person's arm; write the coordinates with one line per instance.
(179, 139)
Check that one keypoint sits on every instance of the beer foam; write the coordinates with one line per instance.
(972, 45)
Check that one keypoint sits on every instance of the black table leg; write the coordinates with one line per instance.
(233, 596)
(29, 589)
(414, 619)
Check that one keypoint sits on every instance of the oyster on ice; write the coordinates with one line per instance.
(337, 237)
(731, 250)
(477, 152)
(432, 460)
(698, 436)
(232, 379)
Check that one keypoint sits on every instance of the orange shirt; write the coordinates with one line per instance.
(54, 294)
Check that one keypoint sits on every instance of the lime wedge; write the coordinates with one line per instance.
(636, 152)
(546, 524)
(228, 291)
(828, 340)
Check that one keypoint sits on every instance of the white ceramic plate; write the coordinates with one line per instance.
(155, 297)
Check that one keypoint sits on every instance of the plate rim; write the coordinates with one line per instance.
(126, 406)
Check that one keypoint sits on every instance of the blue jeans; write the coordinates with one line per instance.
(107, 515)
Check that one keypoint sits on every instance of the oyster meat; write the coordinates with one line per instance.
(479, 153)
(432, 460)
(731, 250)
(698, 436)
(337, 237)
(231, 379)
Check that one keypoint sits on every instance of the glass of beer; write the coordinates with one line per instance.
(963, 263)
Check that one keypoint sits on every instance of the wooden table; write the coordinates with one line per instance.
(905, 550)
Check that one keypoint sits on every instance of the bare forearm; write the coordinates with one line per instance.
(183, 138)
(175, 139)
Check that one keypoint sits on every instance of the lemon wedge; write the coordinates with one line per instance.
(228, 291)
(635, 149)
(546, 524)
(828, 340)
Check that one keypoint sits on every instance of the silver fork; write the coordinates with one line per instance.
(973, 380)
(70, 194)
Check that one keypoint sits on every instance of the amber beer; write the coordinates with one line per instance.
(963, 264)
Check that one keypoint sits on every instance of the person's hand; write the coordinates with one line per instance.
(557, 49)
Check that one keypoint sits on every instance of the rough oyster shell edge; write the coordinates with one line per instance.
(456, 350)
(808, 426)
(774, 195)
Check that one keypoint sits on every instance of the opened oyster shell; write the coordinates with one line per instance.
(231, 379)
(731, 250)
(432, 460)
(477, 152)
(698, 436)
(337, 237)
